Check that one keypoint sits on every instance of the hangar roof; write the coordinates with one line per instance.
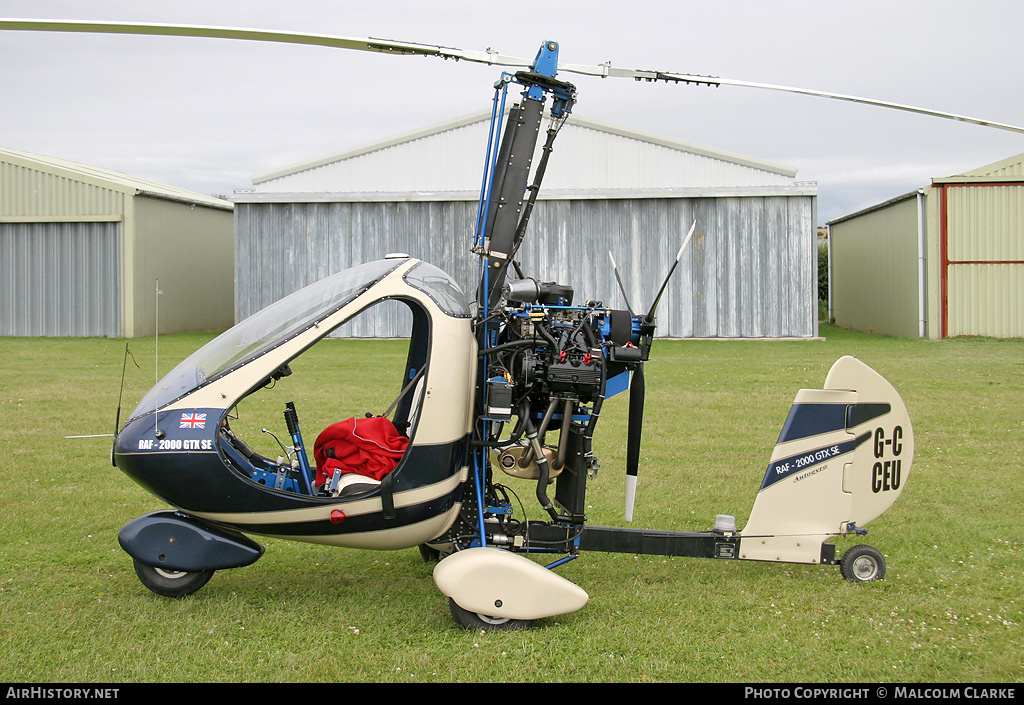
(593, 159)
(105, 178)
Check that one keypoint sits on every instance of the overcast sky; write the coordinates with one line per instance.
(207, 115)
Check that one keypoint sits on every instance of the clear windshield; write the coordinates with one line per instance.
(265, 330)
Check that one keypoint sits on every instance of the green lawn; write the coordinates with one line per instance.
(949, 610)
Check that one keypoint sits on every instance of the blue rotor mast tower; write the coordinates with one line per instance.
(506, 202)
(506, 198)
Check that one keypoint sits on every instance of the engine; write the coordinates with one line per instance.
(550, 365)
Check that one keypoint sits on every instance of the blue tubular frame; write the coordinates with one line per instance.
(486, 187)
(562, 561)
(539, 82)
(487, 182)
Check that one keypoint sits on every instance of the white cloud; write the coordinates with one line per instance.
(207, 114)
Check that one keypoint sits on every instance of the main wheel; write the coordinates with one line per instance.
(428, 554)
(483, 622)
(171, 583)
(862, 564)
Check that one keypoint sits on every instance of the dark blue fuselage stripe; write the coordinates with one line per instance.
(806, 420)
(360, 524)
(781, 469)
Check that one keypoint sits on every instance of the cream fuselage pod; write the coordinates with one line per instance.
(179, 450)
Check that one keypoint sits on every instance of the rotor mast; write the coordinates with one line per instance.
(510, 199)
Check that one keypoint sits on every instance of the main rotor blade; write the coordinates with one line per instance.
(608, 71)
(389, 46)
(877, 103)
(383, 46)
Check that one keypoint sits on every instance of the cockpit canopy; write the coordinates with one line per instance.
(289, 317)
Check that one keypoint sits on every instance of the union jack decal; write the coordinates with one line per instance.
(193, 421)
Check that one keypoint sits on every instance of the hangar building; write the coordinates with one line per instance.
(945, 260)
(750, 270)
(82, 249)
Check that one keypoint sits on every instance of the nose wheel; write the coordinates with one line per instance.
(482, 622)
(862, 564)
(171, 583)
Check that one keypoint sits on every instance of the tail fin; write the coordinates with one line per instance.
(843, 457)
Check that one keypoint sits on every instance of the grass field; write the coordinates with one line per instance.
(950, 609)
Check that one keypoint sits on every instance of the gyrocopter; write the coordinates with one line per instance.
(510, 382)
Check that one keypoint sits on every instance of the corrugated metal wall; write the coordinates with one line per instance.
(874, 270)
(973, 226)
(987, 300)
(82, 247)
(984, 269)
(749, 272)
(190, 250)
(59, 279)
(985, 223)
(282, 247)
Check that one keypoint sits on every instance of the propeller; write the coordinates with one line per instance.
(622, 288)
(679, 256)
(489, 56)
(637, 384)
(634, 428)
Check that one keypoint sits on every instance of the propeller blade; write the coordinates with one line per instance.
(637, 392)
(489, 56)
(615, 269)
(679, 256)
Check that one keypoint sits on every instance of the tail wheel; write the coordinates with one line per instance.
(481, 622)
(862, 564)
(171, 583)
